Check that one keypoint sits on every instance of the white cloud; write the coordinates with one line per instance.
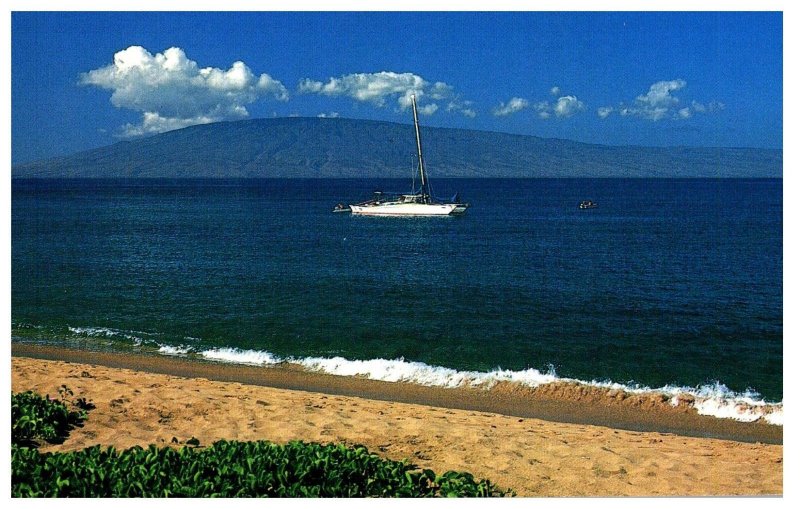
(374, 87)
(660, 93)
(463, 107)
(441, 91)
(333, 114)
(543, 109)
(711, 107)
(172, 91)
(660, 103)
(567, 106)
(153, 123)
(604, 111)
(555, 91)
(377, 88)
(514, 105)
(405, 99)
(460, 106)
(564, 107)
(428, 109)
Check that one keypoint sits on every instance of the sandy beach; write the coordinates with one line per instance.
(164, 398)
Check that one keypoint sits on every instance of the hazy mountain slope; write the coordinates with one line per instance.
(317, 147)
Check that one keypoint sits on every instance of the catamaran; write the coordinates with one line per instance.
(419, 202)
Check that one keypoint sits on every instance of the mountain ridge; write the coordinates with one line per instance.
(339, 147)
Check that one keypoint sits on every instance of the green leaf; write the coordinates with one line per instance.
(231, 469)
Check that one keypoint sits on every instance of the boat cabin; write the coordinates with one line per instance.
(412, 198)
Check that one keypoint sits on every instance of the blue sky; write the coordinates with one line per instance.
(88, 79)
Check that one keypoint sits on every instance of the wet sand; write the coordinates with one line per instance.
(561, 441)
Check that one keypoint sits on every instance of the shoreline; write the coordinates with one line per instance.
(533, 457)
(566, 403)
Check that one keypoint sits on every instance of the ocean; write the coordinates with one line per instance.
(671, 285)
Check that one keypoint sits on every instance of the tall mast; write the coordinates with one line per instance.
(419, 144)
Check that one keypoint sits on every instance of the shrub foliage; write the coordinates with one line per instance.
(225, 469)
(232, 469)
(34, 417)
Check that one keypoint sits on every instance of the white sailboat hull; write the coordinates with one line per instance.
(409, 209)
(419, 202)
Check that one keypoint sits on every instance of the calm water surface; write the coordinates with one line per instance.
(667, 282)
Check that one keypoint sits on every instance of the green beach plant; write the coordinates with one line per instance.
(225, 469)
(34, 417)
(233, 469)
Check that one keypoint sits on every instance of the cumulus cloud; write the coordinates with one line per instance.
(172, 91)
(374, 88)
(604, 111)
(660, 102)
(698, 107)
(514, 105)
(543, 109)
(377, 88)
(463, 107)
(153, 123)
(555, 91)
(441, 91)
(660, 94)
(428, 109)
(565, 107)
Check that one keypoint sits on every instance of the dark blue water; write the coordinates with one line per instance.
(667, 282)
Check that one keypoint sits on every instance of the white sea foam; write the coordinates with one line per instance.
(714, 400)
(717, 400)
(237, 356)
(400, 370)
(387, 370)
(174, 350)
(106, 332)
(775, 417)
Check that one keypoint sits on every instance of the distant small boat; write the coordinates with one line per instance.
(341, 207)
(587, 204)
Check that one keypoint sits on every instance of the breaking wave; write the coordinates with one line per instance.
(715, 399)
